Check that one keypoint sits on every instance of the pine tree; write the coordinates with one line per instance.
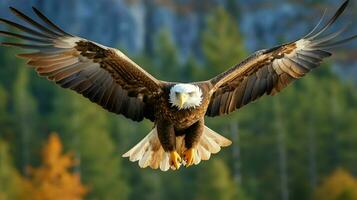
(166, 60)
(53, 179)
(25, 113)
(6, 122)
(192, 71)
(222, 43)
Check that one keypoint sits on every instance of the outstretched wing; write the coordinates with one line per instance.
(104, 75)
(269, 71)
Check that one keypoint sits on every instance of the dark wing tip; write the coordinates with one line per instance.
(8, 44)
(343, 7)
(326, 42)
(49, 22)
(346, 3)
(14, 10)
(35, 9)
(38, 12)
(337, 14)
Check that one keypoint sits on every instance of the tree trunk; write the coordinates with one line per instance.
(236, 153)
(312, 154)
(279, 127)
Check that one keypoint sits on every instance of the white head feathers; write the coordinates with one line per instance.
(185, 96)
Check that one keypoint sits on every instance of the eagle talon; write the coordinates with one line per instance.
(175, 159)
(189, 156)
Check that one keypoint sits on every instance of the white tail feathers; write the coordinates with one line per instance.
(150, 153)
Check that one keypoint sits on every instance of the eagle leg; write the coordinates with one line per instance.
(189, 156)
(192, 137)
(167, 139)
(175, 160)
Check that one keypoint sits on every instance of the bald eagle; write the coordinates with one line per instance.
(109, 78)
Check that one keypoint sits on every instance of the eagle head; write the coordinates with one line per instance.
(185, 96)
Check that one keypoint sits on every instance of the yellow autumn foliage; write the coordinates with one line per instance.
(53, 180)
(340, 185)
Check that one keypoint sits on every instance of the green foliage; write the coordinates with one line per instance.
(192, 71)
(222, 44)
(316, 116)
(25, 113)
(85, 128)
(11, 184)
(6, 122)
(165, 57)
(9, 66)
(215, 182)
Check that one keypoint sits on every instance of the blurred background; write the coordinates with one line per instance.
(300, 144)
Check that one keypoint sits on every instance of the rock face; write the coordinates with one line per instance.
(133, 24)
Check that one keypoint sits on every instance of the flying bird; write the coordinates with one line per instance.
(110, 79)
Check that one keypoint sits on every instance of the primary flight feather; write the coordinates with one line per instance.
(109, 78)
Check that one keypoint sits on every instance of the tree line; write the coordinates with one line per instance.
(284, 146)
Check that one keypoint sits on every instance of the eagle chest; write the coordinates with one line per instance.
(180, 118)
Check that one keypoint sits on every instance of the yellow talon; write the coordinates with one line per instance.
(175, 159)
(189, 156)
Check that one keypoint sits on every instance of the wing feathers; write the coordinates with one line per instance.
(248, 90)
(24, 37)
(328, 38)
(101, 74)
(49, 22)
(331, 21)
(25, 29)
(240, 92)
(317, 25)
(307, 58)
(334, 44)
(27, 46)
(34, 23)
(270, 71)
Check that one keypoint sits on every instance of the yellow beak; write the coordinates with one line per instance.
(182, 99)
